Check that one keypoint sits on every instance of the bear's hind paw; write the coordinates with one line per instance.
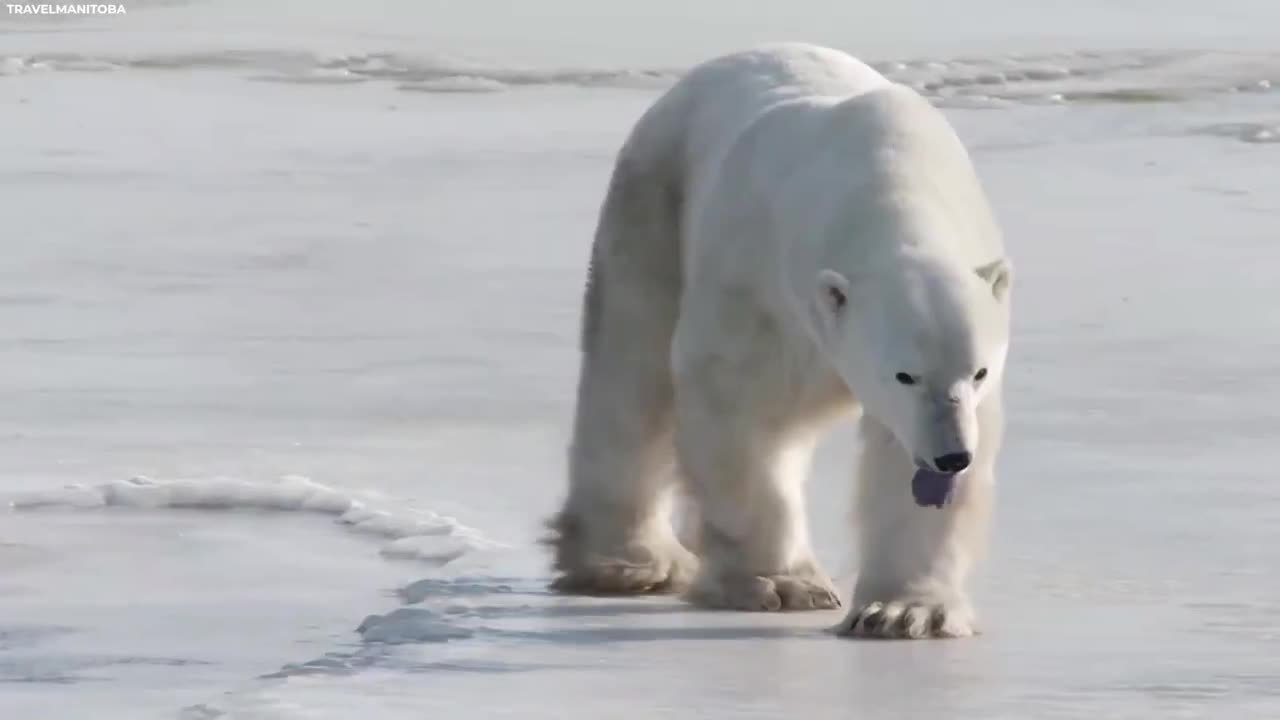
(643, 571)
(769, 593)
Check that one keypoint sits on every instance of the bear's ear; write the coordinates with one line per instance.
(830, 301)
(999, 275)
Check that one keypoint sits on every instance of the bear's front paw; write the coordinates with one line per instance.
(908, 619)
(768, 592)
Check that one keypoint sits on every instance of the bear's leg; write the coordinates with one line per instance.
(745, 455)
(614, 534)
(914, 561)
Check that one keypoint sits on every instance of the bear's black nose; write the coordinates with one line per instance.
(953, 462)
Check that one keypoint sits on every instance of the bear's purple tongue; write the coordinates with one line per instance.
(932, 488)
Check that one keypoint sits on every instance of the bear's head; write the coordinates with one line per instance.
(919, 342)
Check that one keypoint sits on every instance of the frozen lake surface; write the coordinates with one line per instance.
(313, 270)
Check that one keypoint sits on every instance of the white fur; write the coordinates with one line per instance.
(785, 231)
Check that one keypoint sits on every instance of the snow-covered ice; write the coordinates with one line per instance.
(287, 350)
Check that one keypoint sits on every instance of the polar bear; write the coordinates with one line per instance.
(787, 238)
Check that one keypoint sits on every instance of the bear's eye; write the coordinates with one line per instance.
(981, 375)
(905, 379)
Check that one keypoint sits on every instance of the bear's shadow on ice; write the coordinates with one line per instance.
(620, 608)
(525, 610)
(535, 617)
(613, 635)
(691, 624)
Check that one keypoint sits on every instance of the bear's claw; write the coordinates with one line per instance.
(910, 620)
